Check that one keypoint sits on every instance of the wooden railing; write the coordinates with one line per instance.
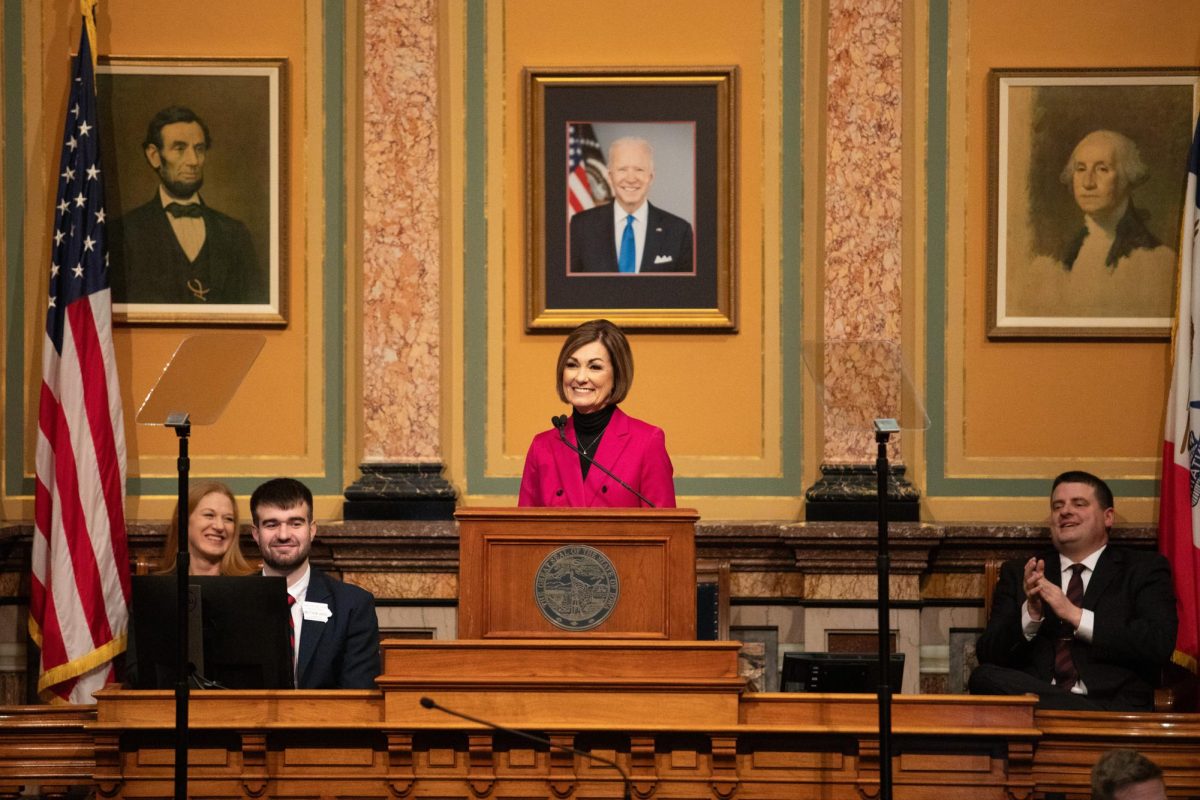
(382, 744)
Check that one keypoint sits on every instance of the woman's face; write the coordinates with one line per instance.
(211, 528)
(587, 378)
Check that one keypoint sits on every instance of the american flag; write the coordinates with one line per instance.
(79, 593)
(582, 148)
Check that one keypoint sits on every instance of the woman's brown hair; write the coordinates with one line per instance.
(619, 355)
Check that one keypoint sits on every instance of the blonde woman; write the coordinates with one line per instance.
(212, 534)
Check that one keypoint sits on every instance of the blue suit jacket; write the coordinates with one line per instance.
(630, 448)
(342, 652)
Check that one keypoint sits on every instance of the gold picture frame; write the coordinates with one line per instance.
(688, 117)
(1086, 179)
(239, 275)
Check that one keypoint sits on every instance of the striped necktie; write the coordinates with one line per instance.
(291, 628)
(1065, 674)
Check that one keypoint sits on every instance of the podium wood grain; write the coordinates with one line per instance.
(652, 550)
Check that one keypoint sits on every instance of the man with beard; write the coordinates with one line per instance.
(335, 633)
(176, 248)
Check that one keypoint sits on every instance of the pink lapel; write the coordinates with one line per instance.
(612, 445)
(566, 461)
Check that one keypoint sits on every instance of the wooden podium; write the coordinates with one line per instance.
(506, 554)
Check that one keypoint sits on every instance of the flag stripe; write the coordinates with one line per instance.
(106, 494)
(75, 543)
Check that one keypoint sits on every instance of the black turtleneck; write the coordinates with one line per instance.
(589, 428)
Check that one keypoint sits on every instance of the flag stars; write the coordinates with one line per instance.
(84, 128)
(93, 172)
(88, 244)
(63, 206)
(80, 200)
(72, 143)
(77, 271)
(58, 237)
(53, 270)
(100, 216)
(52, 298)
(75, 110)
(69, 174)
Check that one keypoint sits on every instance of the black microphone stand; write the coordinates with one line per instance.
(182, 425)
(430, 703)
(884, 428)
(561, 424)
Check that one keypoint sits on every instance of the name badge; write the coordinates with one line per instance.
(317, 612)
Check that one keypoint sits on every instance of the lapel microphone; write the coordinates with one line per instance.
(430, 703)
(561, 424)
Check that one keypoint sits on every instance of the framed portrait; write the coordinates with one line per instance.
(1087, 173)
(193, 152)
(630, 198)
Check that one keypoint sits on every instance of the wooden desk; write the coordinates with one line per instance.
(682, 729)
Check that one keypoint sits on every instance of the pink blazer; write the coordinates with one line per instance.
(630, 448)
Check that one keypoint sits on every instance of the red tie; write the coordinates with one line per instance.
(291, 628)
(1065, 674)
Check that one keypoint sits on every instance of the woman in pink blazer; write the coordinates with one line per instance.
(594, 373)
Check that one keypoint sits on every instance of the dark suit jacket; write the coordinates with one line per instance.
(593, 249)
(630, 448)
(1131, 234)
(147, 264)
(343, 652)
(1132, 597)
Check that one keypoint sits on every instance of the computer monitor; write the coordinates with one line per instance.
(838, 673)
(242, 625)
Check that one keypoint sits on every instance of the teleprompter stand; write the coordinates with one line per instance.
(196, 385)
(892, 405)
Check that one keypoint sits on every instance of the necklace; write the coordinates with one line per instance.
(587, 450)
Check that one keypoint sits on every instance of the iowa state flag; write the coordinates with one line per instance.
(1179, 513)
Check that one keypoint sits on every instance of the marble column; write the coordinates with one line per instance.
(860, 362)
(401, 267)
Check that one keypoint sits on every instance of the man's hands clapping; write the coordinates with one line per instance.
(1040, 593)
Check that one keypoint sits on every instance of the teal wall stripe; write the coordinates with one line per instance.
(334, 267)
(475, 394)
(935, 249)
(476, 403)
(791, 290)
(938, 484)
(14, 242)
(332, 277)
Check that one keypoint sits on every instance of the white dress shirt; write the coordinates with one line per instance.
(188, 230)
(1087, 619)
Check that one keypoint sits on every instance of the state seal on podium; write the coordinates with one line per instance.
(576, 587)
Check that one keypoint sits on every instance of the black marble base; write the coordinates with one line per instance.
(399, 491)
(848, 492)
